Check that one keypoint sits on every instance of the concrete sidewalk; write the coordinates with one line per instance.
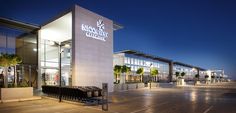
(222, 85)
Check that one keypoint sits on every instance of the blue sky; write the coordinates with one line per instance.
(197, 32)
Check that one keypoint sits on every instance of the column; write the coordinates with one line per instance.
(170, 71)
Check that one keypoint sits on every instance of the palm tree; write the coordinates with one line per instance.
(117, 72)
(154, 72)
(206, 77)
(14, 60)
(177, 74)
(140, 72)
(7, 60)
(125, 70)
(197, 76)
(182, 74)
(213, 78)
(197, 79)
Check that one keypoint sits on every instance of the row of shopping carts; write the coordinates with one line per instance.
(75, 93)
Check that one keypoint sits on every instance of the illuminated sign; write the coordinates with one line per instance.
(98, 32)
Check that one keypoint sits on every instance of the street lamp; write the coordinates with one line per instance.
(150, 79)
(59, 51)
(60, 44)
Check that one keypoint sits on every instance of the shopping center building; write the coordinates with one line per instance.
(166, 67)
(80, 44)
(78, 40)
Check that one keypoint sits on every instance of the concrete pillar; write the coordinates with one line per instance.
(170, 71)
(39, 76)
(30, 78)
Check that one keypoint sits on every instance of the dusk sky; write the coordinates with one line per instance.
(196, 32)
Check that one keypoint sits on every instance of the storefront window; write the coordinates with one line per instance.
(50, 63)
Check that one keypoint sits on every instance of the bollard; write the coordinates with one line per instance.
(105, 96)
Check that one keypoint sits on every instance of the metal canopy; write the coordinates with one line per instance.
(18, 25)
(187, 65)
(117, 26)
(137, 53)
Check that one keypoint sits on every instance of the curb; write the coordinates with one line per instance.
(21, 99)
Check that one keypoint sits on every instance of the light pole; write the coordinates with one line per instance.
(59, 44)
(60, 51)
(150, 79)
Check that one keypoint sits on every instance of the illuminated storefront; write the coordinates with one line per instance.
(165, 67)
(86, 42)
(77, 40)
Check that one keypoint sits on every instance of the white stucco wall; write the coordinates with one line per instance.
(92, 59)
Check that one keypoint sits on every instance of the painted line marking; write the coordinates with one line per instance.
(207, 110)
(148, 107)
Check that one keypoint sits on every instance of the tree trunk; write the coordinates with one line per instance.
(141, 78)
(5, 77)
(116, 78)
(125, 76)
(117, 75)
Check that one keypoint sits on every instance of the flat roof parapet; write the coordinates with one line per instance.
(138, 53)
(18, 25)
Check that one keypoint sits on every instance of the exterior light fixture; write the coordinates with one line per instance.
(67, 45)
(51, 43)
(35, 49)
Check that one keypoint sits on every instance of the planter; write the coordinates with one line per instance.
(197, 82)
(208, 81)
(153, 84)
(180, 82)
(16, 94)
(213, 81)
(121, 87)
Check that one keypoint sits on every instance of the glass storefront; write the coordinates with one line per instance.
(50, 63)
(23, 44)
(27, 70)
(135, 62)
(54, 36)
(189, 72)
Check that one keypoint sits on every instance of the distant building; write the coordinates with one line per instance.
(166, 67)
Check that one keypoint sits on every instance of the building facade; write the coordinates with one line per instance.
(165, 67)
(139, 60)
(78, 42)
(78, 45)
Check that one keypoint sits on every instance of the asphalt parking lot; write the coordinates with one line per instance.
(156, 100)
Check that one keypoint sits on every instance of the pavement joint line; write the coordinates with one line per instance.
(147, 107)
(208, 109)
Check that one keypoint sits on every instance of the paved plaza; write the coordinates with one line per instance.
(156, 100)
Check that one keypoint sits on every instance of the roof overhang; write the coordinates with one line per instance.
(18, 25)
(137, 53)
(117, 26)
(190, 66)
